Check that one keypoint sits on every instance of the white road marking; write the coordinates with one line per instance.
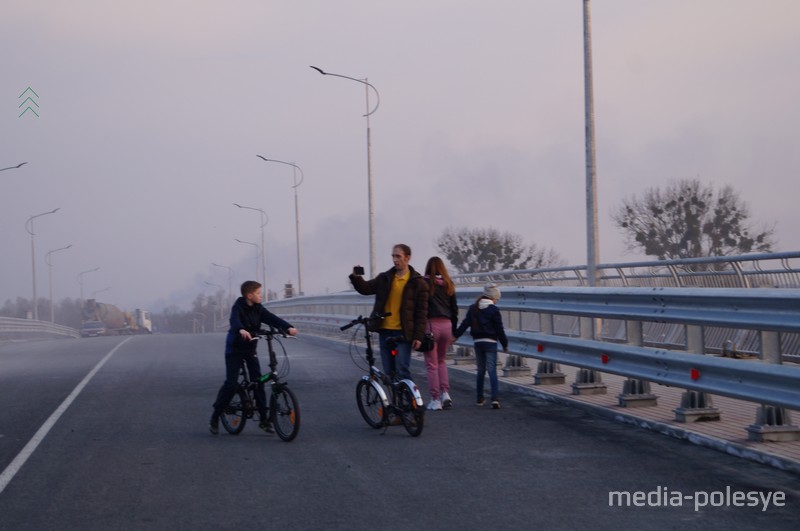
(12, 469)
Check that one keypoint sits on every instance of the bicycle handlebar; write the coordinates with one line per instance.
(363, 320)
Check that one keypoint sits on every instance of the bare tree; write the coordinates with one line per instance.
(476, 250)
(688, 219)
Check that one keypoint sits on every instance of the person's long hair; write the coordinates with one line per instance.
(435, 266)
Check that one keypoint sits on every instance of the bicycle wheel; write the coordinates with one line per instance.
(413, 416)
(285, 412)
(370, 404)
(234, 416)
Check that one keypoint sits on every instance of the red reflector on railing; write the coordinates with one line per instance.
(539, 348)
(604, 358)
(695, 374)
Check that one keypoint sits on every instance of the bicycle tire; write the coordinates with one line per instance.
(234, 416)
(413, 416)
(370, 404)
(285, 412)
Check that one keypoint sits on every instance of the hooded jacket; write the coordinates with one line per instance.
(413, 303)
(485, 322)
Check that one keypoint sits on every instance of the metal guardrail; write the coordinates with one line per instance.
(11, 328)
(529, 314)
(777, 270)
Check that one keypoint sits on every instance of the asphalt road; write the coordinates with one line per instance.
(132, 451)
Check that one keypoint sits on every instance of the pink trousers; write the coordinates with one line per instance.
(435, 360)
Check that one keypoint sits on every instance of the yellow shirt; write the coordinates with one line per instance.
(393, 302)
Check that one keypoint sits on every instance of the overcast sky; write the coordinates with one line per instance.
(151, 114)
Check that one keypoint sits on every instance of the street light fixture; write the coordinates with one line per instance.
(14, 167)
(256, 246)
(264, 221)
(80, 280)
(50, 275)
(367, 86)
(28, 223)
(295, 169)
(94, 293)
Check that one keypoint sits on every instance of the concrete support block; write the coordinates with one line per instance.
(516, 366)
(549, 373)
(588, 382)
(636, 393)
(464, 356)
(696, 406)
(773, 424)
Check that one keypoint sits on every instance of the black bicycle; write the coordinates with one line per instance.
(403, 404)
(284, 410)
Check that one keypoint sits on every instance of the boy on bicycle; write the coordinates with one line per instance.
(247, 315)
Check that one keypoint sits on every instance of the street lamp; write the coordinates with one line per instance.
(28, 223)
(80, 280)
(264, 221)
(219, 302)
(50, 275)
(295, 169)
(367, 86)
(230, 281)
(13, 167)
(592, 233)
(256, 246)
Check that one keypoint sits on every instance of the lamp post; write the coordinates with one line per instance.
(230, 281)
(80, 280)
(256, 246)
(219, 302)
(50, 275)
(367, 86)
(29, 228)
(592, 233)
(295, 169)
(13, 167)
(264, 221)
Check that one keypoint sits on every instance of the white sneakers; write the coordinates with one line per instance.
(447, 402)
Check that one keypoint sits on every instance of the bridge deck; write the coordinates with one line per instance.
(727, 434)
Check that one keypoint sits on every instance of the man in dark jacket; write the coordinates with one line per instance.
(247, 315)
(401, 293)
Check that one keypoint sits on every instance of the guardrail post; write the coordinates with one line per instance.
(464, 356)
(773, 424)
(770, 347)
(588, 381)
(515, 365)
(636, 392)
(548, 373)
(695, 406)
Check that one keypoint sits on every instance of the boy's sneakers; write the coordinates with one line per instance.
(481, 401)
(434, 405)
(495, 404)
(447, 402)
(266, 426)
(213, 425)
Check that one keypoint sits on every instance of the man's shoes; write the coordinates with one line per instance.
(434, 405)
(481, 401)
(495, 404)
(266, 426)
(213, 425)
(447, 402)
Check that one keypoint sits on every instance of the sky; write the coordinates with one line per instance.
(151, 114)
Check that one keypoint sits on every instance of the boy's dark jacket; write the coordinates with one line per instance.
(249, 318)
